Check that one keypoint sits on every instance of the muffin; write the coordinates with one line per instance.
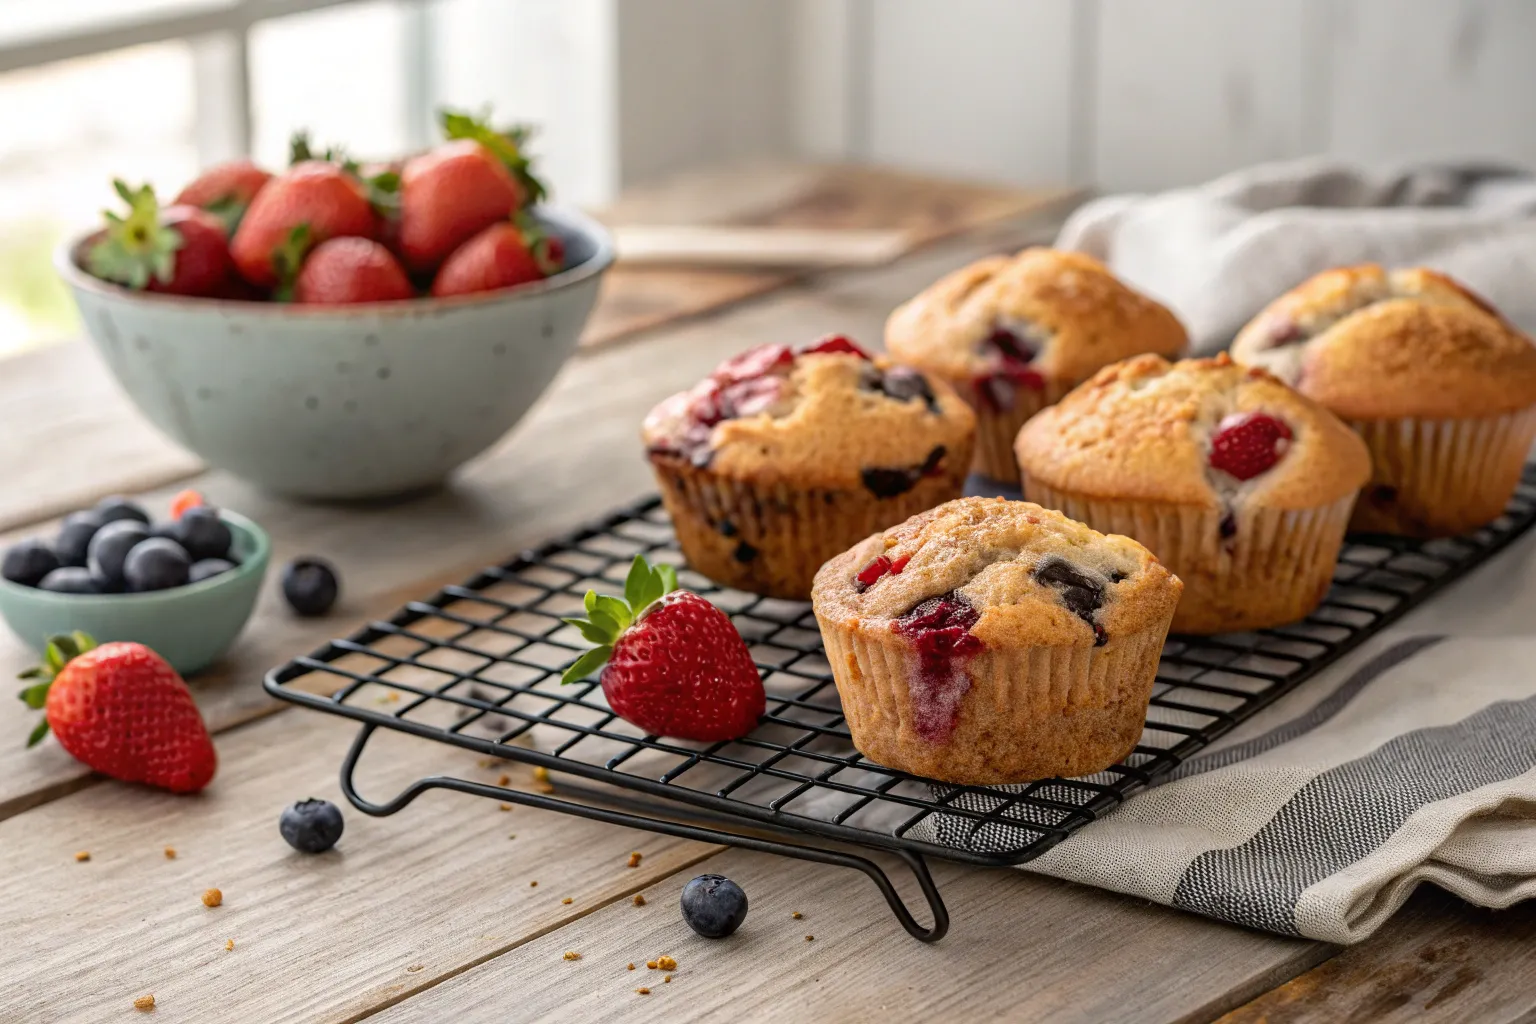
(990, 641)
(1013, 334)
(1238, 484)
(779, 460)
(1442, 389)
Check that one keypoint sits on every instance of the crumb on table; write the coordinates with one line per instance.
(639, 900)
(228, 945)
(666, 978)
(571, 954)
(144, 1003)
(505, 780)
(634, 859)
(631, 966)
(651, 964)
(567, 900)
(213, 898)
(796, 914)
(170, 853)
(533, 884)
(810, 938)
(505, 807)
(666, 963)
(83, 855)
(642, 991)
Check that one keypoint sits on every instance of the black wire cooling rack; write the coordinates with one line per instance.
(478, 666)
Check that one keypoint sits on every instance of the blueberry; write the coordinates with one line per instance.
(110, 547)
(116, 507)
(311, 826)
(156, 564)
(74, 538)
(904, 384)
(1081, 593)
(202, 533)
(70, 579)
(28, 561)
(714, 906)
(207, 568)
(310, 585)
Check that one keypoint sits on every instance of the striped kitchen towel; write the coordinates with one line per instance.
(1414, 761)
(1218, 252)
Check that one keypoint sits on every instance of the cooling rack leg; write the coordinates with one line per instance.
(698, 833)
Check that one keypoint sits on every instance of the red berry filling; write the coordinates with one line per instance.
(835, 344)
(879, 568)
(754, 362)
(940, 631)
(1010, 371)
(1247, 444)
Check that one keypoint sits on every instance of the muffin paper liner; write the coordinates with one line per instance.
(771, 539)
(1275, 569)
(1436, 478)
(1020, 714)
(996, 429)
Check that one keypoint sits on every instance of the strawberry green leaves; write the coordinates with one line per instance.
(59, 652)
(608, 617)
(137, 247)
(288, 260)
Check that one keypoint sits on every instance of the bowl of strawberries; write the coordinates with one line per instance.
(342, 330)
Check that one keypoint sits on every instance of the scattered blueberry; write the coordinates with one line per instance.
(74, 538)
(28, 561)
(70, 579)
(207, 568)
(115, 508)
(202, 533)
(714, 906)
(310, 585)
(109, 549)
(156, 564)
(313, 826)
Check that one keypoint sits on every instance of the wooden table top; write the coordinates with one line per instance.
(455, 909)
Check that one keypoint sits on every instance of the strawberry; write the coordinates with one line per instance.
(225, 190)
(179, 250)
(347, 270)
(835, 344)
(507, 146)
(505, 254)
(184, 500)
(1247, 444)
(321, 198)
(121, 710)
(449, 195)
(672, 662)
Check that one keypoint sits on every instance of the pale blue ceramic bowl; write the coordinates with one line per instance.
(190, 626)
(361, 401)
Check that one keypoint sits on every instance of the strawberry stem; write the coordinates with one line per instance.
(136, 247)
(608, 617)
(506, 145)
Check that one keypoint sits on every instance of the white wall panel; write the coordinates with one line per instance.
(1189, 89)
(973, 88)
(1429, 78)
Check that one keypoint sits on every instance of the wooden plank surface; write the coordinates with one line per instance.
(1021, 949)
(401, 903)
(1439, 960)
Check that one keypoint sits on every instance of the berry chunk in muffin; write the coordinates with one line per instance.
(780, 459)
(1239, 484)
(1011, 644)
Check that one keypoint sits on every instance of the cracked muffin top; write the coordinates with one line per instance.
(999, 573)
(1059, 315)
(1375, 344)
(1203, 432)
(829, 416)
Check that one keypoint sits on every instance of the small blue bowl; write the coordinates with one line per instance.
(190, 626)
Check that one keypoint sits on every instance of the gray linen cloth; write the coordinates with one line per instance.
(1217, 253)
